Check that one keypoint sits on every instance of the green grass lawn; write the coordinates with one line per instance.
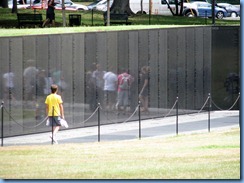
(214, 155)
(8, 22)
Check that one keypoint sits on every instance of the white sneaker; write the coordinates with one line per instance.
(54, 139)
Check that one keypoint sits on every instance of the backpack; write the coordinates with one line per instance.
(124, 84)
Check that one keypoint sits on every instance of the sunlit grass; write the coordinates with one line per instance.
(214, 155)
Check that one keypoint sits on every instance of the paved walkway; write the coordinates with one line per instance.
(124, 131)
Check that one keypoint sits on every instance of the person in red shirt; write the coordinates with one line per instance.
(124, 82)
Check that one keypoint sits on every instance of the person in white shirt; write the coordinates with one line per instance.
(8, 85)
(30, 75)
(110, 89)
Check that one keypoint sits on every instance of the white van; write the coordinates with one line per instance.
(158, 7)
(102, 5)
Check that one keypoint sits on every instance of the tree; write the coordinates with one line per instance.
(141, 6)
(4, 3)
(178, 12)
(14, 8)
(121, 6)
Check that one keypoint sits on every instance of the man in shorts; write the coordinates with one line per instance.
(54, 110)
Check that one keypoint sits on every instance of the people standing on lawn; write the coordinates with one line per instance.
(55, 111)
(50, 15)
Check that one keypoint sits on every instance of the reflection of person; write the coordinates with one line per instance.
(8, 85)
(110, 86)
(97, 76)
(124, 82)
(143, 96)
(54, 110)
(40, 86)
(91, 88)
(30, 74)
(58, 79)
(50, 15)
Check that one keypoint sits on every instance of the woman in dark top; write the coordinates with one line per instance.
(145, 86)
(50, 15)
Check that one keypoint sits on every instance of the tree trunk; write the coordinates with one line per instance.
(170, 8)
(63, 14)
(14, 8)
(176, 8)
(4, 3)
(177, 12)
(181, 8)
(141, 6)
(121, 6)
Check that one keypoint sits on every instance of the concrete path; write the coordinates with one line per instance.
(162, 127)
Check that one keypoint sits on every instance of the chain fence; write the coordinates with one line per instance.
(99, 110)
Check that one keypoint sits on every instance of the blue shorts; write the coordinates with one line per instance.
(54, 120)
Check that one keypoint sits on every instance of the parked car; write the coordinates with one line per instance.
(25, 4)
(191, 1)
(102, 5)
(204, 9)
(233, 11)
(69, 5)
(93, 5)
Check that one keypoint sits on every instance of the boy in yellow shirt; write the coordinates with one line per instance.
(54, 110)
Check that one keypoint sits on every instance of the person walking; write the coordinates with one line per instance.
(50, 15)
(55, 111)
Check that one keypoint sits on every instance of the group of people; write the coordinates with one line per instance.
(113, 91)
(112, 88)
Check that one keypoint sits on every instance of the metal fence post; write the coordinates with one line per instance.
(206, 18)
(239, 107)
(92, 16)
(2, 123)
(209, 109)
(177, 113)
(98, 118)
(52, 123)
(139, 115)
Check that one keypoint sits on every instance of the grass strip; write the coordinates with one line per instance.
(214, 155)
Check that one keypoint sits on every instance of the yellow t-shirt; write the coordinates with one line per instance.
(53, 100)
